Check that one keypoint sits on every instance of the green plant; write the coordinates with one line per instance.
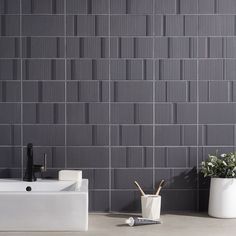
(220, 166)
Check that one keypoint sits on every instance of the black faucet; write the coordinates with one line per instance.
(31, 169)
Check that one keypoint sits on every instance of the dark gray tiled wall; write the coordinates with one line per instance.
(123, 89)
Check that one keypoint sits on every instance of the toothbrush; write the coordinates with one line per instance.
(160, 186)
(140, 189)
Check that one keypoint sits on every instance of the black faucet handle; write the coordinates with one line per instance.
(41, 168)
(44, 167)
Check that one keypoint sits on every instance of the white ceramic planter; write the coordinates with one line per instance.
(222, 199)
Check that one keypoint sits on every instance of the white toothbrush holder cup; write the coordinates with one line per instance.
(151, 206)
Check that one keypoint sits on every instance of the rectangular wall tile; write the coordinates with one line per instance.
(10, 135)
(210, 70)
(10, 157)
(42, 47)
(96, 135)
(10, 113)
(44, 135)
(217, 25)
(87, 47)
(130, 113)
(9, 69)
(87, 25)
(42, 7)
(39, 113)
(99, 201)
(10, 25)
(165, 7)
(9, 47)
(133, 7)
(92, 91)
(129, 25)
(87, 157)
(176, 135)
(10, 91)
(98, 178)
(131, 157)
(132, 92)
(42, 25)
(86, 69)
(10, 7)
(124, 179)
(210, 113)
(43, 92)
(131, 69)
(206, 6)
(132, 135)
(222, 135)
(47, 69)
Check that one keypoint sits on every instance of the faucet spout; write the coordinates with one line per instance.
(29, 172)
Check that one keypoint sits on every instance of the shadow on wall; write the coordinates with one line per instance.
(204, 186)
(187, 191)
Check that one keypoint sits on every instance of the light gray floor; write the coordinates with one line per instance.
(189, 224)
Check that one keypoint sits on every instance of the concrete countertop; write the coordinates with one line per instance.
(176, 224)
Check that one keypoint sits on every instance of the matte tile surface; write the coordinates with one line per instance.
(123, 89)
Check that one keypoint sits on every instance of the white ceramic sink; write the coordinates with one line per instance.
(51, 205)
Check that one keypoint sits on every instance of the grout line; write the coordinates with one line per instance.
(144, 36)
(65, 82)
(197, 164)
(109, 102)
(107, 81)
(121, 14)
(123, 146)
(119, 36)
(131, 102)
(115, 124)
(21, 99)
(153, 96)
(120, 59)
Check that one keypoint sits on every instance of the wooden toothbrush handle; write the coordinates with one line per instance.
(159, 187)
(140, 189)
